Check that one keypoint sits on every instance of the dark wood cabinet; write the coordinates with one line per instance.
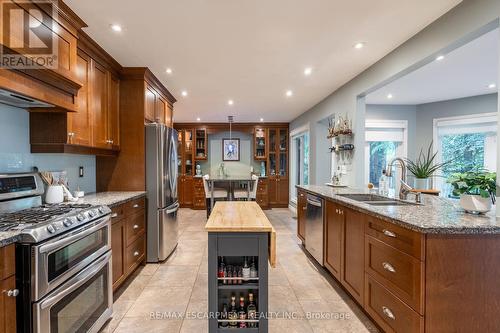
(157, 108)
(199, 201)
(99, 107)
(262, 195)
(277, 165)
(334, 226)
(150, 105)
(128, 242)
(114, 110)
(8, 287)
(353, 254)
(301, 215)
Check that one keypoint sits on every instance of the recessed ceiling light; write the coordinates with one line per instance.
(116, 27)
(492, 85)
(308, 71)
(439, 58)
(359, 45)
(184, 93)
(198, 119)
(289, 93)
(169, 70)
(389, 96)
(261, 119)
(230, 102)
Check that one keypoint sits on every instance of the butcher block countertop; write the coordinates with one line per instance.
(242, 216)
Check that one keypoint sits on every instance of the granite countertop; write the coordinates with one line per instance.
(111, 199)
(9, 237)
(437, 215)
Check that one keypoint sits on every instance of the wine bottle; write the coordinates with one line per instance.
(242, 314)
(253, 269)
(233, 314)
(223, 316)
(246, 270)
(251, 311)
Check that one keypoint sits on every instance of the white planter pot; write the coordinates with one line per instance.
(422, 183)
(475, 204)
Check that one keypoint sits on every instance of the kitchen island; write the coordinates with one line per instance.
(413, 268)
(241, 241)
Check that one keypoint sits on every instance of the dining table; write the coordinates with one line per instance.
(230, 180)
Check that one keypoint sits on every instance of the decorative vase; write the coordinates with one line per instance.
(422, 183)
(475, 204)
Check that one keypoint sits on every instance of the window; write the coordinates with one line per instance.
(300, 161)
(470, 142)
(385, 139)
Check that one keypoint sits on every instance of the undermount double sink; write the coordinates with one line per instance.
(376, 200)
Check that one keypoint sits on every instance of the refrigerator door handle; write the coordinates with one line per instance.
(173, 168)
(174, 209)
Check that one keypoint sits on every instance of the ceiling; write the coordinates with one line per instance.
(253, 51)
(464, 72)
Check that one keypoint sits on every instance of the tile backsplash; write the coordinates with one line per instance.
(15, 153)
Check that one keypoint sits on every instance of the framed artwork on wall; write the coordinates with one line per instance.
(230, 150)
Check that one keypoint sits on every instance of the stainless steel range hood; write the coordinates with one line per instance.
(20, 101)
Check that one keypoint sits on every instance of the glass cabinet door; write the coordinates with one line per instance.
(260, 143)
(179, 153)
(283, 152)
(188, 152)
(272, 140)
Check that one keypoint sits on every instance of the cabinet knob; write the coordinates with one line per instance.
(114, 215)
(388, 313)
(136, 253)
(71, 134)
(388, 267)
(136, 206)
(136, 226)
(389, 233)
(13, 292)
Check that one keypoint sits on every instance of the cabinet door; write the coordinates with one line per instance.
(188, 191)
(113, 110)
(180, 190)
(99, 105)
(8, 306)
(353, 254)
(301, 215)
(283, 191)
(273, 191)
(161, 109)
(150, 107)
(334, 224)
(169, 116)
(79, 129)
(117, 245)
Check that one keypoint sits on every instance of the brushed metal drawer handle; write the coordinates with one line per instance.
(114, 215)
(388, 267)
(13, 293)
(136, 226)
(389, 233)
(136, 206)
(388, 313)
(136, 253)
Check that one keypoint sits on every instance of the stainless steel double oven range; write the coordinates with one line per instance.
(63, 259)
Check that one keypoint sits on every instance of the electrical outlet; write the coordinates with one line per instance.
(80, 172)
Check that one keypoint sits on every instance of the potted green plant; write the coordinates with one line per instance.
(476, 189)
(424, 167)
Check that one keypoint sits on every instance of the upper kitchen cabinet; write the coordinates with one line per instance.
(158, 107)
(94, 127)
(56, 81)
(278, 167)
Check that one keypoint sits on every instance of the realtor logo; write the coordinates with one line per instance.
(27, 37)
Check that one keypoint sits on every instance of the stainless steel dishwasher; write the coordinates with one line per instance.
(314, 227)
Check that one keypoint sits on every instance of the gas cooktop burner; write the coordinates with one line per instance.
(39, 214)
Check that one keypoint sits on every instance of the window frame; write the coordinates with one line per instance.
(293, 159)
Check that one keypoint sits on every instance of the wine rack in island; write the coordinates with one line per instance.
(238, 282)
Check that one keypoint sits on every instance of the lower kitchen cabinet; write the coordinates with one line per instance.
(8, 288)
(301, 215)
(262, 196)
(334, 225)
(128, 239)
(185, 191)
(199, 200)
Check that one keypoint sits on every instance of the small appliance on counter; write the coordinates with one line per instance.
(63, 258)
(161, 187)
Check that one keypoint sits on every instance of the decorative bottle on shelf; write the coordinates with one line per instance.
(222, 266)
(242, 314)
(246, 270)
(251, 311)
(229, 274)
(224, 275)
(233, 314)
(223, 316)
(253, 269)
(382, 184)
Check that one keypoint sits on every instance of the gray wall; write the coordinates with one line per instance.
(234, 168)
(397, 112)
(453, 29)
(426, 113)
(15, 153)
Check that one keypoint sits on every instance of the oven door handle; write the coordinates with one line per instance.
(49, 247)
(77, 281)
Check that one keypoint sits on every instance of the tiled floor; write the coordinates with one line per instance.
(180, 286)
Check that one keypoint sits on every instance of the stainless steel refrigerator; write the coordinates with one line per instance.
(161, 185)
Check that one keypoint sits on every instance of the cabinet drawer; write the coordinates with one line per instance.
(135, 227)
(405, 240)
(262, 188)
(117, 214)
(399, 272)
(134, 206)
(262, 200)
(199, 202)
(391, 314)
(134, 254)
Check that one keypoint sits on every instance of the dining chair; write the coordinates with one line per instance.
(219, 193)
(243, 194)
